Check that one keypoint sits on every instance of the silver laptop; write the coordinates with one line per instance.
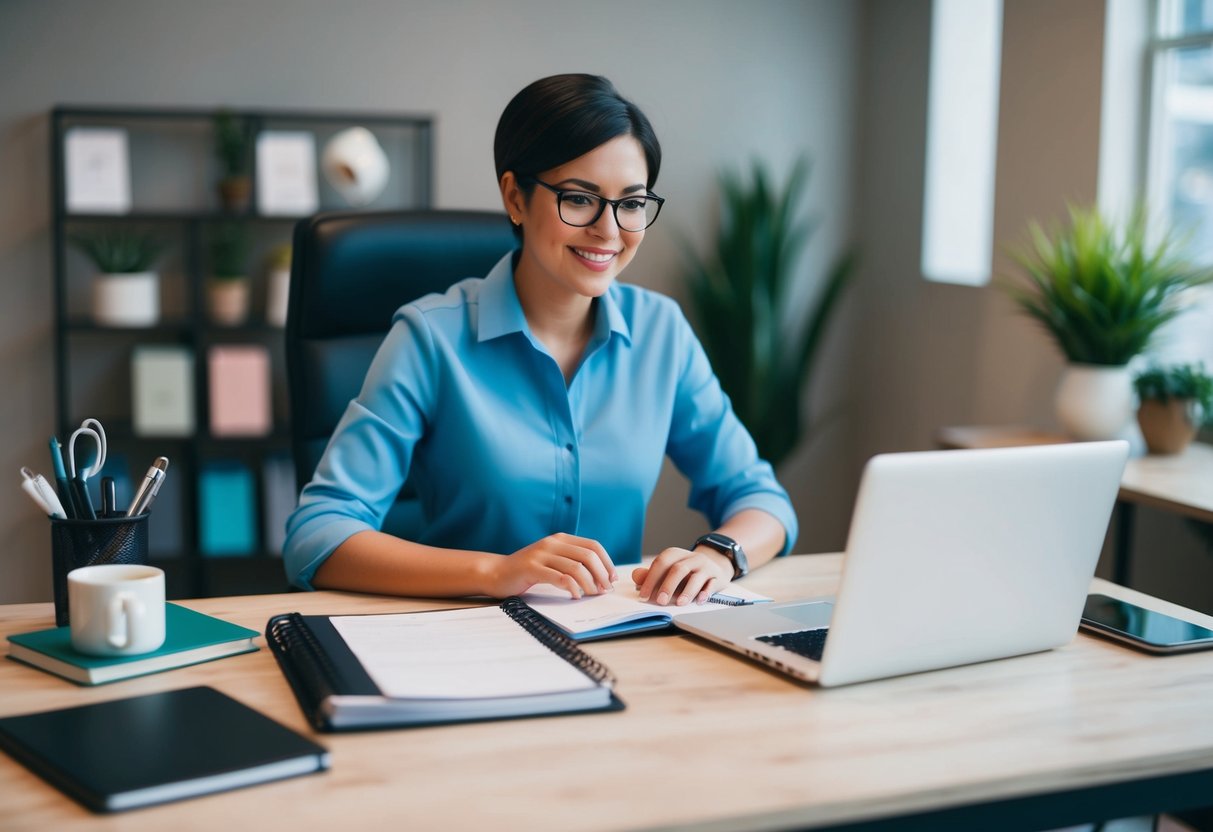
(953, 557)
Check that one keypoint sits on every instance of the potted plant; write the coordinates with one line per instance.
(1176, 400)
(126, 291)
(228, 287)
(1101, 291)
(233, 145)
(740, 293)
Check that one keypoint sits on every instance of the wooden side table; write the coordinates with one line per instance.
(1181, 484)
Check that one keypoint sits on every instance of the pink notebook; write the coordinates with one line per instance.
(239, 385)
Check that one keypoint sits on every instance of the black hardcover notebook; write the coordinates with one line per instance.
(392, 670)
(157, 748)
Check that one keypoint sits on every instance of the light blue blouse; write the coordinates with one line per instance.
(467, 403)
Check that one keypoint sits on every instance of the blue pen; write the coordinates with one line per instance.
(65, 491)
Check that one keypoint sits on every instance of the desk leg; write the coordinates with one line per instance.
(1123, 547)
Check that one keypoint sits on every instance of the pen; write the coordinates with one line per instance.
(149, 488)
(109, 497)
(40, 491)
(60, 472)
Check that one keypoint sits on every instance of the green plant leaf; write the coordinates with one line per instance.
(762, 352)
(1101, 291)
(119, 251)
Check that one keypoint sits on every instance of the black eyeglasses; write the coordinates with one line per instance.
(579, 209)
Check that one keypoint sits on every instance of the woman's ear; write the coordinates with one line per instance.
(512, 197)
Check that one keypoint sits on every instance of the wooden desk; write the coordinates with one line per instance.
(708, 741)
(1181, 484)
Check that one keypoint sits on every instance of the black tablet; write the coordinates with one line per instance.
(1154, 632)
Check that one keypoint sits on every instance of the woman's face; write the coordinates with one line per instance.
(570, 260)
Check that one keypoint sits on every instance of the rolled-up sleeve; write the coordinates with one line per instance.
(713, 449)
(369, 455)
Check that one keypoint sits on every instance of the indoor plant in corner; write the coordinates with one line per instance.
(228, 287)
(760, 346)
(126, 291)
(1101, 291)
(1175, 401)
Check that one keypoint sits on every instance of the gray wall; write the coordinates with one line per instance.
(722, 82)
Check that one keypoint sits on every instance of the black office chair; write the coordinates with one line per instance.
(349, 274)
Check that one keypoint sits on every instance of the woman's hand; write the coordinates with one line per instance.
(576, 564)
(681, 576)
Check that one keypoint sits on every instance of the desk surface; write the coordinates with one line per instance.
(708, 740)
(1181, 483)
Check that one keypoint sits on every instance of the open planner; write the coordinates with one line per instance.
(424, 668)
(620, 611)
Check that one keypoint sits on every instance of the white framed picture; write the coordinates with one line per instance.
(286, 173)
(97, 170)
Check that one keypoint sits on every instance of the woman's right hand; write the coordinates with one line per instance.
(576, 564)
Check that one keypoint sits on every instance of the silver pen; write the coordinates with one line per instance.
(149, 488)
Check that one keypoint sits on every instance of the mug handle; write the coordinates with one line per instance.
(124, 609)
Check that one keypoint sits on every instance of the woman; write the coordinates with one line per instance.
(534, 406)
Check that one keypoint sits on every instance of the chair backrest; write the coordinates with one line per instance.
(349, 273)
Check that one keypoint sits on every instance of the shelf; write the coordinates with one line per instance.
(179, 217)
(172, 175)
(165, 329)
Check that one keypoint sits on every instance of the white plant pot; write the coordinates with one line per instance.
(131, 299)
(1095, 402)
(228, 301)
(276, 297)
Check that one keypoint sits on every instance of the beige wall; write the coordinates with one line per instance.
(722, 81)
(928, 355)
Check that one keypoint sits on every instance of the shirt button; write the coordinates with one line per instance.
(569, 447)
(568, 499)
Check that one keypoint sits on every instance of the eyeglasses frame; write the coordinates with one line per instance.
(602, 204)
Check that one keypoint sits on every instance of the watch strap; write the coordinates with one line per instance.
(728, 547)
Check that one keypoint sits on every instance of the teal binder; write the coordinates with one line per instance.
(227, 510)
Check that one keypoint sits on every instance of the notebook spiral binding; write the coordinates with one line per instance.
(729, 602)
(556, 641)
(312, 675)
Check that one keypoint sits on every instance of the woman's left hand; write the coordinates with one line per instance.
(680, 576)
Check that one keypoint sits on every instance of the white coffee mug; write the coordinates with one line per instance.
(116, 609)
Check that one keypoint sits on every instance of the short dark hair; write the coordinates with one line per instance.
(556, 119)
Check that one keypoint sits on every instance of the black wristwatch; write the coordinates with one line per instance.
(730, 548)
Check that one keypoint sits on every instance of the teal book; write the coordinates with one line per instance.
(190, 637)
(227, 506)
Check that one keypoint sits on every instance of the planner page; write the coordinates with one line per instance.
(456, 654)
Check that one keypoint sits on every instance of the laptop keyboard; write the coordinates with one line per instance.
(808, 643)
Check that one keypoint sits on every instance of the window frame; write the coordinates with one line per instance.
(1156, 161)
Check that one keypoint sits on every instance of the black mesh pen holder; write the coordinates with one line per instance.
(77, 543)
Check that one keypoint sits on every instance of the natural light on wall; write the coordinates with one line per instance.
(962, 141)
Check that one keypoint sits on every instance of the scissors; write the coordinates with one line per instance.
(88, 464)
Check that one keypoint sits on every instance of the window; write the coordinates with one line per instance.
(1180, 161)
(962, 135)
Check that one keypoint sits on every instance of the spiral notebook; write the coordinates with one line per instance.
(390, 670)
(621, 612)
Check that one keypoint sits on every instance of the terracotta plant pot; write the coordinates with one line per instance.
(1167, 426)
(228, 300)
(235, 193)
